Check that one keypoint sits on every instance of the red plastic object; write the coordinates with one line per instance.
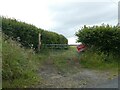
(81, 47)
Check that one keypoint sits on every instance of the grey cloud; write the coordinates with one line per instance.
(70, 15)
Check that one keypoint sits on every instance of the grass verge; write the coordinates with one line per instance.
(19, 65)
(94, 60)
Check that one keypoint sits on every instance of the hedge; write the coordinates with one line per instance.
(27, 34)
(104, 38)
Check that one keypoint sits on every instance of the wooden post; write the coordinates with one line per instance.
(39, 42)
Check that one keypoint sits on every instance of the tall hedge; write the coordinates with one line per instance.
(27, 34)
(53, 38)
(104, 38)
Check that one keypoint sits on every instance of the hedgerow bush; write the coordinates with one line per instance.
(27, 34)
(104, 38)
(53, 38)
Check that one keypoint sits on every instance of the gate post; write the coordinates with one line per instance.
(39, 42)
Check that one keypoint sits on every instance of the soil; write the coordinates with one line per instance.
(82, 78)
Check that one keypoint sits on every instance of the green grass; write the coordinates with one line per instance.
(94, 60)
(19, 66)
(63, 60)
(0, 59)
(66, 60)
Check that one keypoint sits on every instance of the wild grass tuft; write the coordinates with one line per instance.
(96, 60)
(19, 65)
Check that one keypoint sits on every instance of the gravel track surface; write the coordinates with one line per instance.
(83, 78)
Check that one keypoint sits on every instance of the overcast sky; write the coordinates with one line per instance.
(62, 16)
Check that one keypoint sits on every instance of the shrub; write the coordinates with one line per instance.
(104, 38)
(27, 34)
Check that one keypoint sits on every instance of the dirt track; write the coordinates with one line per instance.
(84, 78)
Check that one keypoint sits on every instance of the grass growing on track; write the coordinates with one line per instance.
(20, 66)
(65, 60)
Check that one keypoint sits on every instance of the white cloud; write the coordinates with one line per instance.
(62, 16)
(31, 11)
(72, 40)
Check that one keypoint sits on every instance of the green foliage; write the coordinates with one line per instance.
(104, 38)
(19, 65)
(97, 60)
(27, 34)
(63, 60)
(53, 38)
(66, 61)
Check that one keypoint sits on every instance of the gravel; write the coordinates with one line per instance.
(84, 78)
